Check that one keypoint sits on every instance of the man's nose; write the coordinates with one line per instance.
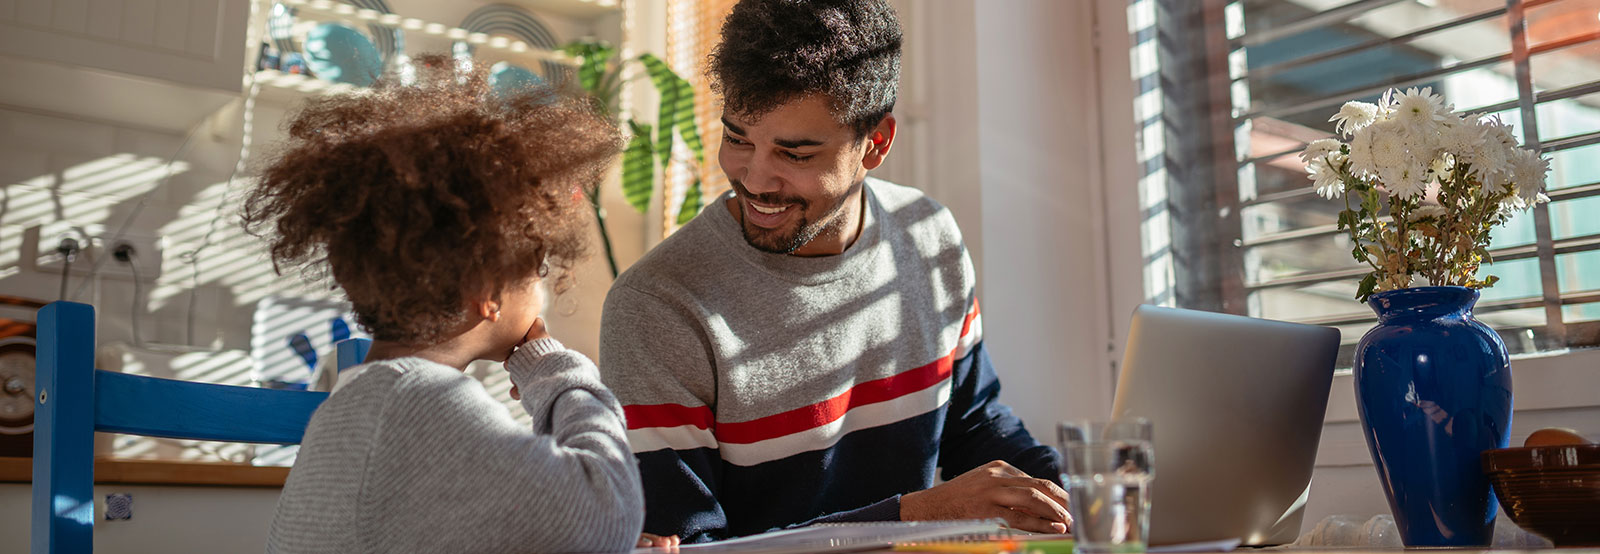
(760, 177)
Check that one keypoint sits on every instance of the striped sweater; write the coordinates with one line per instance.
(765, 391)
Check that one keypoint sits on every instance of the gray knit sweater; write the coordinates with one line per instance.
(414, 456)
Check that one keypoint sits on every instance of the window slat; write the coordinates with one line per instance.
(1573, 245)
(1412, 79)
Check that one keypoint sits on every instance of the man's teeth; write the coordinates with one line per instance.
(768, 211)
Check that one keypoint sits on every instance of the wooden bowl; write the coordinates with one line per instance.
(1553, 491)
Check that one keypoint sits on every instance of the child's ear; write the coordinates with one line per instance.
(485, 305)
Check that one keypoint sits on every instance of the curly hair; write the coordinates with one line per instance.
(416, 196)
(773, 51)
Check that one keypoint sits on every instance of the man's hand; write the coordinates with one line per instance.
(647, 540)
(995, 489)
(535, 332)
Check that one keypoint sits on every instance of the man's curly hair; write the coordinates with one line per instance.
(774, 51)
(419, 195)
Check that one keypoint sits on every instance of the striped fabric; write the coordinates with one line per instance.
(763, 391)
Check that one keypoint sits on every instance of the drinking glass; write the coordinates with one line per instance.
(1108, 471)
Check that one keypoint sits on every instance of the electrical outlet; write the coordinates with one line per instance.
(96, 245)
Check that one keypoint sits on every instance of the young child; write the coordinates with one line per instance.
(439, 208)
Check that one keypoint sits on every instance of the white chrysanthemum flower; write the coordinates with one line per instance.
(1426, 211)
(1490, 152)
(1319, 149)
(1361, 162)
(1495, 182)
(1388, 145)
(1514, 203)
(1354, 116)
(1528, 170)
(1419, 112)
(1325, 178)
(1461, 138)
(1406, 181)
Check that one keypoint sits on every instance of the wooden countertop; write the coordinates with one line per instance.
(152, 472)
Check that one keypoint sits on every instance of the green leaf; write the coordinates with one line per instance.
(639, 168)
(1359, 252)
(595, 55)
(691, 203)
(1368, 283)
(677, 110)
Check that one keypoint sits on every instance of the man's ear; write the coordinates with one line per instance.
(879, 139)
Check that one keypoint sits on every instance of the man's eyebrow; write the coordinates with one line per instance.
(786, 143)
(797, 143)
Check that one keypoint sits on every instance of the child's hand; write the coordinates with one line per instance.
(535, 332)
(647, 540)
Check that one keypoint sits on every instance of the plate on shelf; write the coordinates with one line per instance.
(339, 53)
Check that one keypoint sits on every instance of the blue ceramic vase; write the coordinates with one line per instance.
(1433, 385)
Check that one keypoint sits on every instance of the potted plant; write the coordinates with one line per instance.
(1423, 187)
(601, 72)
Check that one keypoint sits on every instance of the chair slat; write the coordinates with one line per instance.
(151, 406)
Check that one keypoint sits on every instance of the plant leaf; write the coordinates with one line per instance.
(691, 203)
(1368, 283)
(677, 110)
(595, 54)
(639, 168)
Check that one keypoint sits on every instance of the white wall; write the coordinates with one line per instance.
(1008, 136)
(165, 519)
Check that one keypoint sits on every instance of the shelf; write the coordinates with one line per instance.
(328, 10)
(288, 88)
(580, 9)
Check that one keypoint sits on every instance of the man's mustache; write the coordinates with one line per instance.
(770, 199)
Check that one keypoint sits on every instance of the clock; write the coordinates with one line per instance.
(17, 356)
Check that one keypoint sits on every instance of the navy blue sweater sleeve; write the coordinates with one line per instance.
(681, 494)
(979, 429)
(683, 498)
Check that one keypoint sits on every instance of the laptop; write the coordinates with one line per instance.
(1237, 405)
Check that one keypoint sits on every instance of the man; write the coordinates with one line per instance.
(808, 349)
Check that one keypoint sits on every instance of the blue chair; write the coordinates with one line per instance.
(75, 400)
(349, 352)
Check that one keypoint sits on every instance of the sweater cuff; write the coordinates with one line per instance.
(540, 347)
(521, 363)
(887, 509)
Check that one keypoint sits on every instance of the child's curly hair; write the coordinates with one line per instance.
(418, 195)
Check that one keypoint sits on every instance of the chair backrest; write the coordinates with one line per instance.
(75, 400)
(349, 352)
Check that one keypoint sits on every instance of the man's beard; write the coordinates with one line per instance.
(778, 241)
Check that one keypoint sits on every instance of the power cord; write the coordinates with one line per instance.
(125, 253)
(246, 137)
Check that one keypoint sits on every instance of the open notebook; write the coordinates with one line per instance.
(856, 537)
(847, 537)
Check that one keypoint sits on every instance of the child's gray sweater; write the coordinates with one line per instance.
(414, 456)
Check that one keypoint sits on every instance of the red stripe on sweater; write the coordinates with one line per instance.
(806, 417)
(667, 415)
(822, 413)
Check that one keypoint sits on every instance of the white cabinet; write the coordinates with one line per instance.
(155, 63)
